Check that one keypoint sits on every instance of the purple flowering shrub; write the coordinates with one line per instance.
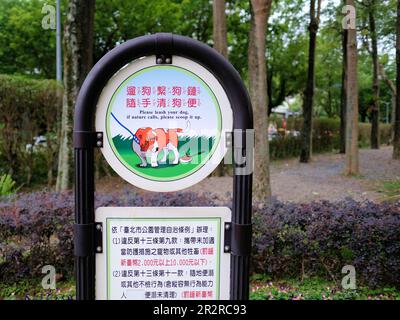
(289, 239)
(319, 238)
(36, 228)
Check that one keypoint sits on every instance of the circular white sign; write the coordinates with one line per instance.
(164, 125)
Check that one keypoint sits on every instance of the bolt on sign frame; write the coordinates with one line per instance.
(85, 138)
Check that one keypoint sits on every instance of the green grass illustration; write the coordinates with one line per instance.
(197, 147)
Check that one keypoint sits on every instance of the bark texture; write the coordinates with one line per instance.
(343, 94)
(352, 166)
(260, 10)
(78, 59)
(306, 133)
(396, 139)
(219, 28)
(375, 85)
(221, 45)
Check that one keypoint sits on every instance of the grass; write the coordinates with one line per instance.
(392, 187)
(314, 289)
(262, 288)
(390, 190)
(32, 290)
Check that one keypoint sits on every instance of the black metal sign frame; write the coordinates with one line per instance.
(164, 46)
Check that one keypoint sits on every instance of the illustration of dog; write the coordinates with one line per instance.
(149, 142)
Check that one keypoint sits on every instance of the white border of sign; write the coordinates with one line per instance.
(207, 168)
(103, 213)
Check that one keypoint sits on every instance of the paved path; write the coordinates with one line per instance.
(321, 179)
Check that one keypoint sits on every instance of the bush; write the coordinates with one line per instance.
(7, 185)
(36, 228)
(289, 240)
(319, 238)
(325, 137)
(28, 108)
(385, 131)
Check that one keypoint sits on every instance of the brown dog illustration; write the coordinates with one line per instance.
(149, 142)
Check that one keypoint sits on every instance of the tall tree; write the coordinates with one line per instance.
(396, 140)
(343, 94)
(392, 87)
(375, 85)
(219, 28)
(352, 165)
(260, 10)
(220, 44)
(306, 133)
(78, 59)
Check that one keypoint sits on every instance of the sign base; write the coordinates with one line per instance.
(162, 253)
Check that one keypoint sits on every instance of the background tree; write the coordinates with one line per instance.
(343, 94)
(392, 87)
(352, 165)
(220, 43)
(78, 59)
(375, 137)
(260, 10)
(286, 79)
(327, 96)
(306, 133)
(25, 47)
(396, 141)
(219, 28)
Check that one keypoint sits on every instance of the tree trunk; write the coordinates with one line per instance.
(375, 86)
(306, 133)
(221, 45)
(396, 140)
(352, 167)
(260, 10)
(343, 95)
(393, 91)
(219, 28)
(78, 59)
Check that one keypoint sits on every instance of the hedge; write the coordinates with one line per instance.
(319, 238)
(325, 137)
(28, 108)
(289, 239)
(32, 107)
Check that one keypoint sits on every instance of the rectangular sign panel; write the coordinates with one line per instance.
(163, 253)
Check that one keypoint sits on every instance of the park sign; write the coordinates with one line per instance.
(163, 253)
(165, 125)
(164, 110)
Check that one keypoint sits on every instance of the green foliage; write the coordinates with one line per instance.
(391, 190)
(325, 137)
(315, 289)
(117, 21)
(392, 187)
(25, 47)
(261, 289)
(33, 290)
(28, 108)
(317, 239)
(7, 185)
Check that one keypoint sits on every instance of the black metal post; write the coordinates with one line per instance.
(85, 141)
(241, 214)
(84, 215)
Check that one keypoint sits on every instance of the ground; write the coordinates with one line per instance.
(291, 181)
(261, 288)
(322, 179)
